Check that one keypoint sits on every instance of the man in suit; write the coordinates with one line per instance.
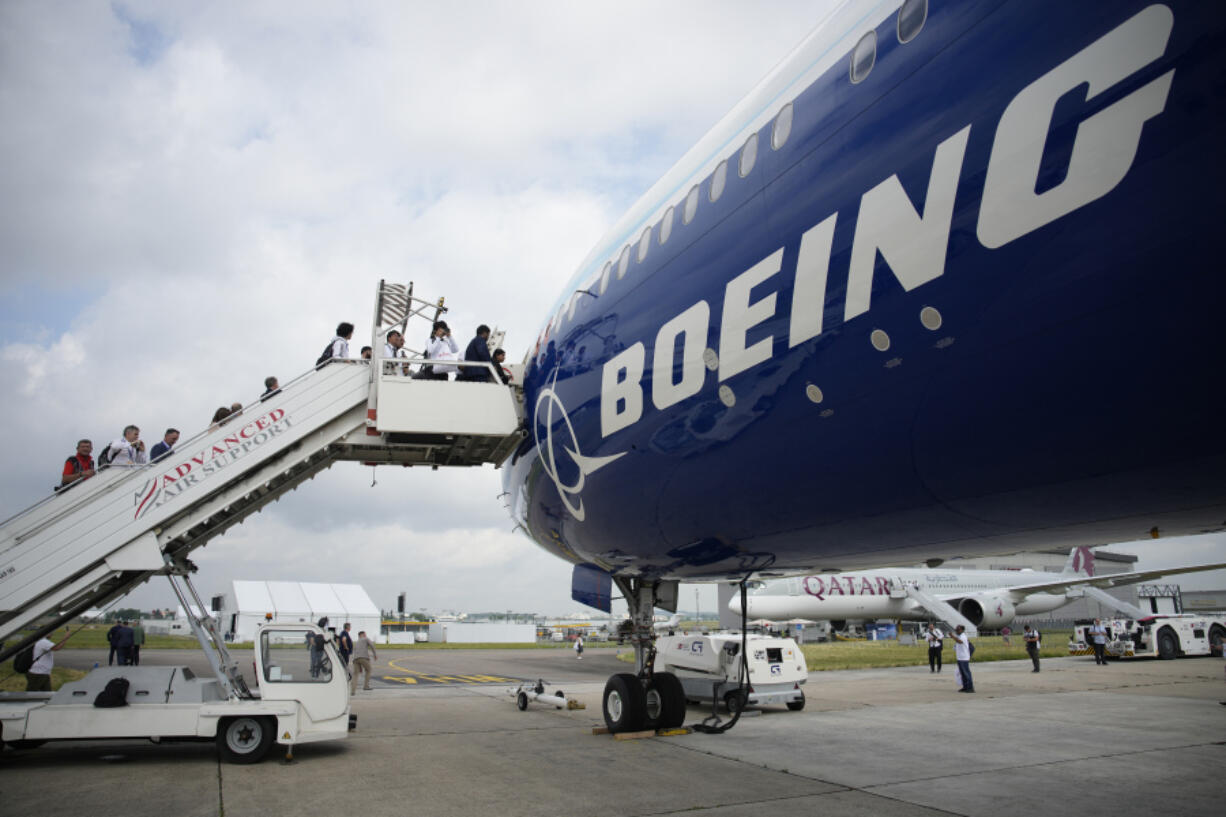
(478, 351)
(166, 446)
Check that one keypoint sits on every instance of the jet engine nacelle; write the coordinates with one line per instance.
(989, 612)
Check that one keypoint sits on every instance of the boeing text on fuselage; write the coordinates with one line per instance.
(914, 244)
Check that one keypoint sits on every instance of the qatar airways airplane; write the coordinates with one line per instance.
(973, 598)
(946, 282)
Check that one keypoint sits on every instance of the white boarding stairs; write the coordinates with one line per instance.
(94, 542)
(945, 612)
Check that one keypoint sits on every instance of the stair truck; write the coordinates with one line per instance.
(302, 696)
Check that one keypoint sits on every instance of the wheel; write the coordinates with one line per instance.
(244, 740)
(1168, 645)
(671, 697)
(624, 704)
(1217, 638)
(796, 706)
(521, 700)
(736, 700)
(559, 694)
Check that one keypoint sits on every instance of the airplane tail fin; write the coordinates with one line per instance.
(1080, 562)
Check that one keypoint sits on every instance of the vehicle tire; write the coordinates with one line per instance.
(521, 700)
(1217, 640)
(1168, 645)
(796, 706)
(245, 739)
(671, 697)
(736, 700)
(559, 694)
(624, 704)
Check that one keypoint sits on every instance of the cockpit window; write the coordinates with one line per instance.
(863, 56)
(783, 127)
(749, 155)
(691, 205)
(719, 180)
(911, 18)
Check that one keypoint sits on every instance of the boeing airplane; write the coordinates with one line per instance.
(944, 283)
(975, 598)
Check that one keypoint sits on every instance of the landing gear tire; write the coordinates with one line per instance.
(521, 700)
(244, 740)
(735, 701)
(672, 699)
(1168, 646)
(624, 703)
(796, 706)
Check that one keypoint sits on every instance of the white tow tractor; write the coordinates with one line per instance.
(709, 668)
(303, 696)
(1162, 635)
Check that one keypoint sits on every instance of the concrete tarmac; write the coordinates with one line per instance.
(1132, 738)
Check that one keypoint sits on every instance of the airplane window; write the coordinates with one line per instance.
(623, 262)
(691, 205)
(783, 127)
(863, 56)
(604, 276)
(749, 155)
(911, 18)
(666, 225)
(644, 243)
(719, 180)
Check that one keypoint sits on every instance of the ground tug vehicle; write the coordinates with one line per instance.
(1162, 635)
(709, 668)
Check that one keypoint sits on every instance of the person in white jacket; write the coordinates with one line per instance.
(128, 449)
(442, 347)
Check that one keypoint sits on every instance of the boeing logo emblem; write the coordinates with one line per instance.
(545, 424)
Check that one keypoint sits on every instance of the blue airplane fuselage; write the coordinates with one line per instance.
(967, 303)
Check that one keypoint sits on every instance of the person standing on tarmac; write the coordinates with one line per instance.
(579, 647)
(934, 637)
(1033, 642)
(962, 652)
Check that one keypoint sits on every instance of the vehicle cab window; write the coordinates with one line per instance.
(293, 656)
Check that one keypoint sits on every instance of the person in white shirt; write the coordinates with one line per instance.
(38, 677)
(962, 653)
(340, 343)
(934, 637)
(129, 449)
(1033, 642)
(392, 349)
(579, 647)
(442, 347)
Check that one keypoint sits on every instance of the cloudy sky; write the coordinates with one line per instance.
(193, 195)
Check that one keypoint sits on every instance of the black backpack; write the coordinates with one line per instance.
(115, 693)
(318, 642)
(24, 660)
(108, 454)
(327, 355)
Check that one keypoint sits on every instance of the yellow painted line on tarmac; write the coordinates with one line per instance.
(414, 677)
